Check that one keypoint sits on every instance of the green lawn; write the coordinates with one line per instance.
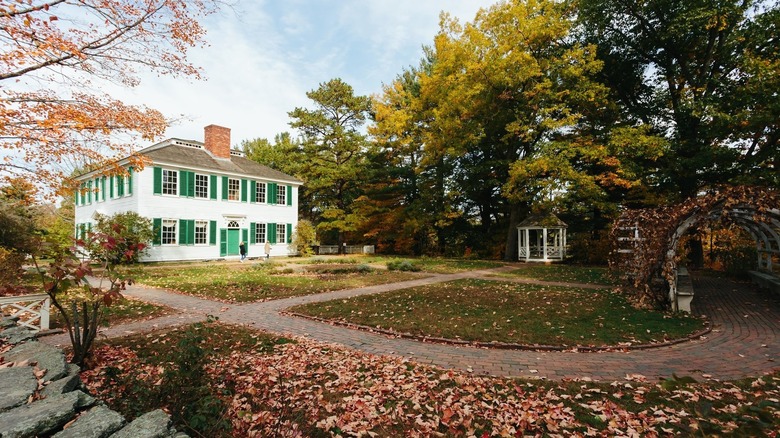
(486, 311)
(433, 265)
(562, 273)
(255, 282)
(122, 311)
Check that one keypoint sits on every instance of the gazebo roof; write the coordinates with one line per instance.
(548, 220)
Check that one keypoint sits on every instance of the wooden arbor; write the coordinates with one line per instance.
(646, 241)
(541, 238)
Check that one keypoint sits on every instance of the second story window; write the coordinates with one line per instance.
(201, 186)
(234, 189)
(260, 192)
(281, 195)
(169, 179)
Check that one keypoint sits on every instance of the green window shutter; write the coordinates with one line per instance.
(212, 232)
(289, 233)
(224, 188)
(183, 183)
(252, 233)
(243, 190)
(120, 185)
(245, 239)
(213, 186)
(191, 185)
(83, 231)
(182, 231)
(222, 242)
(76, 197)
(89, 192)
(130, 180)
(111, 187)
(103, 188)
(271, 196)
(157, 180)
(289, 195)
(271, 231)
(157, 225)
(191, 232)
(253, 191)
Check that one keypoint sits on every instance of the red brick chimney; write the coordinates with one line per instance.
(217, 141)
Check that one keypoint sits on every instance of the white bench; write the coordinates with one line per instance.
(684, 290)
(32, 310)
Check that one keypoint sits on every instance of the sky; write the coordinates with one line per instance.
(264, 55)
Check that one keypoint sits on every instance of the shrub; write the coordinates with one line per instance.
(132, 232)
(304, 237)
(403, 265)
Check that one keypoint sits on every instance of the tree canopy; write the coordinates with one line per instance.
(53, 57)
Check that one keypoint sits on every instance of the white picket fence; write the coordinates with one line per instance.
(32, 310)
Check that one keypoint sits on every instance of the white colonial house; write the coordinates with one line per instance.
(202, 197)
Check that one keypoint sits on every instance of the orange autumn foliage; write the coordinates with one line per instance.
(54, 57)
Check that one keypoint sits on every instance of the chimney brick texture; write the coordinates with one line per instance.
(217, 141)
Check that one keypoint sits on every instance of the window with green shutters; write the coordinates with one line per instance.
(271, 193)
(157, 173)
(272, 233)
(224, 188)
(157, 227)
(186, 232)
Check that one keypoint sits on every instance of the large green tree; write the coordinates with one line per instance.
(705, 74)
(503, 87)
(335, 152)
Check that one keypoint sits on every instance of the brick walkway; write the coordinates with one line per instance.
(743, 342)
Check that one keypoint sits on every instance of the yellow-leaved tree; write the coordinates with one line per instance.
(54, 57)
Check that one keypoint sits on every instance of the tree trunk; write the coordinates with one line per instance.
(510, 248)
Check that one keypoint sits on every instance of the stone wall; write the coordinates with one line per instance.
(42, 395)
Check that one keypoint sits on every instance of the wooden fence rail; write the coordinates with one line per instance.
(32, 310)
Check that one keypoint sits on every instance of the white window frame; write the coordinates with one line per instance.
(206, 190)
(262, 188)
(281, 194)
(281, 233)
(258, 227)
(232, 190)
(170, 180)
(173, 226)
(204, 234)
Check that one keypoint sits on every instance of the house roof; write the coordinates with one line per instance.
(192, 155)
(548, 220)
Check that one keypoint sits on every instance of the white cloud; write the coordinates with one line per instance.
(263, 57)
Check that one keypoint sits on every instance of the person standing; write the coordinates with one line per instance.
(242, 250)
(267, 250)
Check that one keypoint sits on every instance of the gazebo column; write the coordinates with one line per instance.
(527, 235)
(544, 244)
(563, 244)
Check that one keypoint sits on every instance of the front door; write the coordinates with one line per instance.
(233, 239)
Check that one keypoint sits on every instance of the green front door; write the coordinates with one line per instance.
(233, 239)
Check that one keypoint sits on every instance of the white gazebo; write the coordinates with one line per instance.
(541, 238)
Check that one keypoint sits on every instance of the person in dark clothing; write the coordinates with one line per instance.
(242, 250)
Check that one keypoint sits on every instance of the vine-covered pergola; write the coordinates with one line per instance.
(647, 240)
